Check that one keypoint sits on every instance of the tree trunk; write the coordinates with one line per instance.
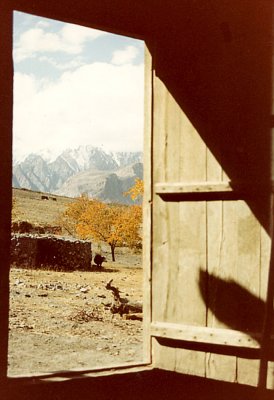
(112, 252)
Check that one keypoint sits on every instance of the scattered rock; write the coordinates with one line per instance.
(85, 289)
(18, 282)
(65, 319)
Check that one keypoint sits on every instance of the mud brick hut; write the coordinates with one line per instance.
(208, 203)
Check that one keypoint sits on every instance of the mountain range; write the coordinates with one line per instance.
(86, 169)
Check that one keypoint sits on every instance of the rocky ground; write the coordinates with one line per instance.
(62, 321)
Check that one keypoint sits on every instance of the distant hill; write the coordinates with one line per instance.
(39, 208)
(104, 185)
(100, 174)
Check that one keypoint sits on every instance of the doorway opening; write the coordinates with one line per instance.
(77, 196)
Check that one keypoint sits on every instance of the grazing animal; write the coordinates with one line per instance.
(44, 197)
(98, 259)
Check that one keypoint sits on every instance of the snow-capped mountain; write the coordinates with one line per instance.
(87, 169)
(108, 186)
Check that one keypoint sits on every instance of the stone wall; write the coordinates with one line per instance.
(27, 227)
(33, 251)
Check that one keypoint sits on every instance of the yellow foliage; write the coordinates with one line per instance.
(70, 218)
(112, 224)
(137, 190)
(117, 225)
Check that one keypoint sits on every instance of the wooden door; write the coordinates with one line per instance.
(211, 211)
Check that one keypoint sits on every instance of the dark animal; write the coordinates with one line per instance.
(44, 197)
(98, 259)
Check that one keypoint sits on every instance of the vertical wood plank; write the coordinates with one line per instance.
(221, 367)
(162, 357)
(248, 276)
(171, 165)
(264, 262)
(214, 171)
(270, 375)
(222, 258)
(179, 229)
(249, 249)
(173, 144)
(190, 362)
(160, 231)
(217, 366)
(147, 201)
(264, 272)
(159, 130)
(190, 307)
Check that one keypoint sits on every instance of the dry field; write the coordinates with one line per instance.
(61, 320)
(30, 207)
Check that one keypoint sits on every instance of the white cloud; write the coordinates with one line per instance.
(35, 40)
(43, 24)
(125, 56)
(70, 39)
(62, 66)
(98, 104)
(77, 35)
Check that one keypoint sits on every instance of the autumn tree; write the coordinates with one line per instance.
(115, 225)
(137, 190)
(70, 218)
(132, 220)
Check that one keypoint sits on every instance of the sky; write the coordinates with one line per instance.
(75, 86)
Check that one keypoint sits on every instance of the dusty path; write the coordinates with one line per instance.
(60, 321)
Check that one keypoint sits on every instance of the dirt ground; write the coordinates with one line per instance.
(61, 320)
